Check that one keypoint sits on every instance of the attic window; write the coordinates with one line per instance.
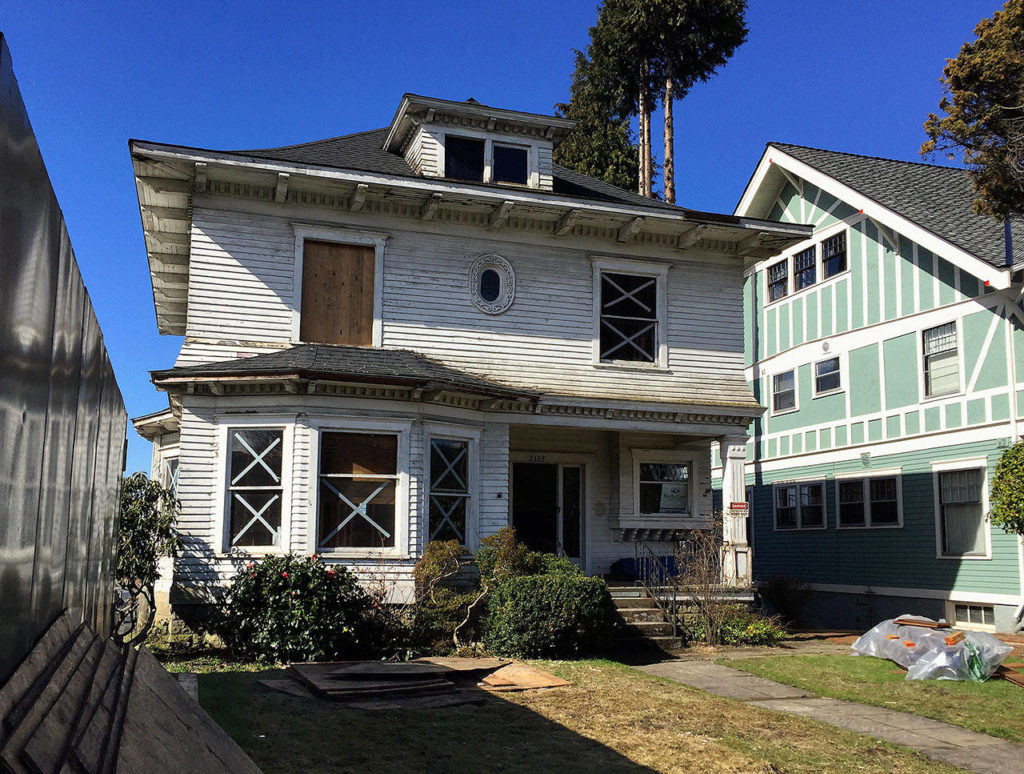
(463, 158)
(510, 164)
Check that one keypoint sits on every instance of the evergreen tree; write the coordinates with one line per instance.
(984, 105)
(600, 144)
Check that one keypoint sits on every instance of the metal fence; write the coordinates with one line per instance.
(62, 419)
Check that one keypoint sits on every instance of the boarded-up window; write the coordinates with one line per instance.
(358, 481)
(337, 294)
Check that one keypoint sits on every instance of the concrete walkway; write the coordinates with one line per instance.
(946, 743)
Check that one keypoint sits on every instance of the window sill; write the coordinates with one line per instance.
(624, 365)
(329, 555)
(785, 411)
(943, 396)
(802, 529)
(828, 393)
(855, 527)
(824, 283)
(966, 557)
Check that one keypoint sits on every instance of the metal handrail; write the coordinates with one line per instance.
(652, 572)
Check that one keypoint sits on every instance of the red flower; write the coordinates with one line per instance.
(331, 573)
(284, 575)
(312, 558)
(252, 576)
(250, 565)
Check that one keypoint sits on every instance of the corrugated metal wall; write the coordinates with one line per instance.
(62, 419)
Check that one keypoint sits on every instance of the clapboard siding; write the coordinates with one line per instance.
(492, 509)
(241, 291)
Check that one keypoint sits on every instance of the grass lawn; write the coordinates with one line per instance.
(612, 719)
(994, 707)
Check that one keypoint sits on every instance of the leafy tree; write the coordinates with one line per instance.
(658, 50)
(600, 145)
(983, 102)
(145, 533)
(1007, 496)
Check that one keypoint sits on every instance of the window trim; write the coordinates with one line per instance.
(921, 376)
(951, 605)
(667, 457)
(821, 280)
(799, 516)
(222, 530)
(796, 392)
(864, 477)
(659, 271)
(403, 506)
(814, 377)
(973, 463)
(343, 236)
(454, 433)
(532, 156)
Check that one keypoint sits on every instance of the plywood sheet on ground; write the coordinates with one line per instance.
(521, 677)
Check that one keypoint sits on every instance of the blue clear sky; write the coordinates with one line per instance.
(857, 76)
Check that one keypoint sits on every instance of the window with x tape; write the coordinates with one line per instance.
(255, 487)
(358, 480)
(449, 489)
(629, 317)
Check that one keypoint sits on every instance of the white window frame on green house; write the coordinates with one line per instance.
(795, 391)
(798, 505)
(838, 372)
(979, 464)
(790, 256)
(924, 356)
(783, 280)
(222, 538)
(956, 609)
(470, 437)
(666, 457)
(651, 270)
(866, 499)
(362, 426)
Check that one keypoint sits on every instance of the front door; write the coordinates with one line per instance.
(547, 507)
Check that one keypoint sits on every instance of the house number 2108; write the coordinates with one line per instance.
(537, 458)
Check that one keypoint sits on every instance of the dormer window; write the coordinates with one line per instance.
(511, 164)
(485, 160)
(463, 158)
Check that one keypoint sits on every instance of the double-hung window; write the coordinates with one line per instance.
(169, 474)
(784, 391)
(800, 506)
(629, 317)
(941, 361)
(805, 268)
(833, 255)
(869, 502)
(962, 512)
(826, 376)
(358, 482)
(255, 487)
(778, 280)
(449, 489)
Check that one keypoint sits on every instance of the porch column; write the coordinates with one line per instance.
(736, 569)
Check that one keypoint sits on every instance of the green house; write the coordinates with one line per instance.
(888, 350)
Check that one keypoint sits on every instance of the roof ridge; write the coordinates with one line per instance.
(784, 145)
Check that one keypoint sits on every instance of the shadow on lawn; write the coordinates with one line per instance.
(283, 733)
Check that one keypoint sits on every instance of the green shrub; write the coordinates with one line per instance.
(558, 615)
(500, 557)
(1007, 493)
(435, 618)
(786, 596)
(742, 626)
(441, 560)
(290, 608)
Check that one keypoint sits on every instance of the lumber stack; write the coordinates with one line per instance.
(82, 703)
(362, 680)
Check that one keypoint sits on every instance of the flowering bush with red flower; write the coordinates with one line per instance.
(296, 608)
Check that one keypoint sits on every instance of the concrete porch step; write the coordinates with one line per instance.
(634, 603)
(634, 614)
(648, 629)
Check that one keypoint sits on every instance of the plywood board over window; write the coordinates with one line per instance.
(337, 293)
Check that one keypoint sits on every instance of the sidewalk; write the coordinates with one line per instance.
(941, 741)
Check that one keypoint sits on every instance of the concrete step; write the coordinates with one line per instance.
(648, 629)
(633, 614)
(626, 592)
(635, 603)
(667, 643)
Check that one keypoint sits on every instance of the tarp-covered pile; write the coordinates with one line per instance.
(933, 651)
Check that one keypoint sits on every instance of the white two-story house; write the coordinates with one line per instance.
(430, 331)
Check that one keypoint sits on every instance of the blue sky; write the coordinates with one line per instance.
(857, 76)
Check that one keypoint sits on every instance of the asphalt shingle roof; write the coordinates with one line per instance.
(936, 198)
(325, 361)
(364, 152)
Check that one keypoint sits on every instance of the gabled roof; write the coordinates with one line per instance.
(938, 199)
(348, 364)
